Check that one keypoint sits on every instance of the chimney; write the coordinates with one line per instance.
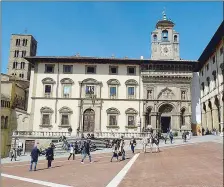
(141, 57)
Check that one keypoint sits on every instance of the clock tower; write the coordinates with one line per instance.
(165, 41)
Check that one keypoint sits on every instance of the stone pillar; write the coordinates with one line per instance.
(153, 120)
(187, 119)
(175, 123)
(209, 119)
(221, 118)
(204, 120)
(215, 118)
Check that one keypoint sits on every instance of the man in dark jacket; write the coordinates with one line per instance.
(86, 151)
(50, 155)
(34, 158)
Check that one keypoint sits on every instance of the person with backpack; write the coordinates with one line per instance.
(133, 144)
(86, 151)
(34, 158)
(72, 152)
(50, 155)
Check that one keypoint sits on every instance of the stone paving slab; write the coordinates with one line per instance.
(198, 165)
(72, 172)
(6, 182)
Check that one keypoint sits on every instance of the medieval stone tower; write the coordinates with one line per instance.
(21, 45)
(165, 41)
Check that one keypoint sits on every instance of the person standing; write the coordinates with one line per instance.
(133, 144)
(171, 136)
(50, 155)
(115, 151)
(34, 158)
(86, 151)
(13, 154)
(72, 152)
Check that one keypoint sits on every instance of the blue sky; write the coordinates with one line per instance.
(106, 28)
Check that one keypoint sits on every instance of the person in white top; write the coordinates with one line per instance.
(72, 152)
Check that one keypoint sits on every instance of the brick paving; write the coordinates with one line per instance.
(73, 173)
(198, 165)
(195, 165)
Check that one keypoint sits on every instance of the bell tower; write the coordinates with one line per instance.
(165, 41)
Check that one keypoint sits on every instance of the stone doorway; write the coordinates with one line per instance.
(165, 123)
(88, 120)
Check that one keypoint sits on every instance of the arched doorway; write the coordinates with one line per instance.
(88, 120)
(165, 118)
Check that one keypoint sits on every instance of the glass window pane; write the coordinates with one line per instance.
(46, 119)
(113, 120)
(47, 89)
(112, 91)
(64, 119)
(130, 90)
(130, 120)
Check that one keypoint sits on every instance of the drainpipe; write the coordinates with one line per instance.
(56, 101)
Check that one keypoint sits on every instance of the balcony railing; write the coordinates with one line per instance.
(40, 134)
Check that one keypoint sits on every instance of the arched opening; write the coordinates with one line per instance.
(165, 117)
(2, 122)
(6, 122)
(154, 37)
(164, 35)
(182, 118)
(175, 38)
(88, 120)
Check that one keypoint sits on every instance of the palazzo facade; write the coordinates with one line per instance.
(91, 94)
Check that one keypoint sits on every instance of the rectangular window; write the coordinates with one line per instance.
(221, 51)
(67, 69)
(17, 42)
(47, 90)
(66, 91)
(23, 53)
(113, 70)
(46, 119)
(131, 120)
(113, 92)
(64, 119)
(16, 53)
(90, 69)
(131, 92)
(113, 120)
(131, 70)
(90, 90)
(207, 66)
(49, 68)
(213, 59)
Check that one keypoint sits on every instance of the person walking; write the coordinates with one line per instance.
(115, 151)
(72, 152)
(34, 158)
(86, 151)
(121, 149)
(13, 154)
(50, 155)
(133, 144)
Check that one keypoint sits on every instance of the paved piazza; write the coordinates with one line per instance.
(185, 165)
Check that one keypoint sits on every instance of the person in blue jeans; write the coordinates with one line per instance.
(86, 151)
(34, 158)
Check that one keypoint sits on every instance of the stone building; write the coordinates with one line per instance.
(104, 95)
(211, 71)
(14, 96)
(21, 45)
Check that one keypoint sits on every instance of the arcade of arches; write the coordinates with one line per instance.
(212, 113)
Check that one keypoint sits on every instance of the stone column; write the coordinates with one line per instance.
(215, 118)
(187, 119)
(153, 119)
(221, 118)
(204, 120)
(209, 119)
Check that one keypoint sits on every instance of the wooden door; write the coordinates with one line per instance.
(88, 120)
(29, 144)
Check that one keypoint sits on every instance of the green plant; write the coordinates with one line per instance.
(175, 133)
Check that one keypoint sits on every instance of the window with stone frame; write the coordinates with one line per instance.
(131, 115)
(214, 78)
(49, 68)
(65, 115)
(131, 85)
(90, 90)
(131, 70)
(67, 69)
(16, 53)
(48, 87)
(203, 87)
(113, 70)
(17, 42)
(23, 53)
(67, 87)
(208, 84)
(113, 85)
(46, 115)
(112, 114)
(90, 69)
(183, 95)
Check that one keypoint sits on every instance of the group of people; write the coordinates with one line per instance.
(35, 153)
